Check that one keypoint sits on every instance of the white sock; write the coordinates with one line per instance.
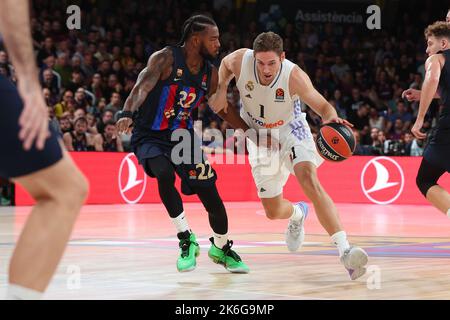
(448, 213)
(16, 292)
(181, 223)
(297, 213)
(220, 240)
(341, 242)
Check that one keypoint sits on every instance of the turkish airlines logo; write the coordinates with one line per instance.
(382, 180)
(132, 179)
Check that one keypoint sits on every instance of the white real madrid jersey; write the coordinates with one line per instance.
(271, 106)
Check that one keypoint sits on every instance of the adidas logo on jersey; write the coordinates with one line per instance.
(262, 190)
(248, 96)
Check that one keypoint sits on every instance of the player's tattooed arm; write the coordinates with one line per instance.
(157, 65)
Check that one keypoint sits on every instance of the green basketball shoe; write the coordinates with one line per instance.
(189, 251)
(227, 257)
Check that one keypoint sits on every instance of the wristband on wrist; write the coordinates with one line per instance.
(126, 114)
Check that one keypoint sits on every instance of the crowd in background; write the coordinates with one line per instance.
(87, 74)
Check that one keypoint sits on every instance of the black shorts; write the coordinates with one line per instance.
(14, 160)
(190, 164)
(438, 155)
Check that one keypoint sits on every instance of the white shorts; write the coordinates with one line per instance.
(271, 169)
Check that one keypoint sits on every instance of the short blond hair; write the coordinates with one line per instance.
(438, 29)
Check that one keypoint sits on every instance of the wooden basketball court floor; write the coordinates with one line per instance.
(129, 252)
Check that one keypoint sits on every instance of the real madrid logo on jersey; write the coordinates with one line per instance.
(279, 95)
(250, 86)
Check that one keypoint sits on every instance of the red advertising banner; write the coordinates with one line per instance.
(117, 178)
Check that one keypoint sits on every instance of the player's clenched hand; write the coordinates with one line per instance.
(33, 121)
(218, 101)
(411, 95)
(123, 125)
(416, 129)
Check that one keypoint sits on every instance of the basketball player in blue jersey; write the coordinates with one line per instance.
(33, 156)
(271, 88)
(436, 84)
(176, 80)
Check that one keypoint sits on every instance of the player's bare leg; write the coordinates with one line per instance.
(280, 208)
(325, 208)
(440, 198)
(353, 258)
(59, 191)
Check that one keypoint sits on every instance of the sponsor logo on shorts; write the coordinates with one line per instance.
(192, 174)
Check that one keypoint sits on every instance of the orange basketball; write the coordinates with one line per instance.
(335, 142)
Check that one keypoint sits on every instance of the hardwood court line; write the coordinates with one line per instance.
(240, 291)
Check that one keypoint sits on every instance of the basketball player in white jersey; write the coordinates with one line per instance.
(271, 88)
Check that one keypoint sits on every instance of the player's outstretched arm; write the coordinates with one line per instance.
(16, 32)
(429, 87)
(147, 79)
(230, 68)
(300, 84)
(218, 98)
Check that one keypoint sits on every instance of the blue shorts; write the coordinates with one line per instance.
(194, 172)
(438, 155)
(14, 160)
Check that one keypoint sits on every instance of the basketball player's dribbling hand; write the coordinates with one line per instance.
(416, 129)
(33, 121)
(337, 120)
(411, 95)
(123, 125)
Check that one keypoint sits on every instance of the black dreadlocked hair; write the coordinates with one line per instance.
(194, 24)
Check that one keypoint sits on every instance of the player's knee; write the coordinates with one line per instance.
(162, 171)
(76, 191)
(211, 200)
(271, 214)
(82, 187)
(309, 181)
(215, 207)
(425, 183)
(272, 208)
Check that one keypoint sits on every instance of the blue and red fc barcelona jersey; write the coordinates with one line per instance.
(170, 104)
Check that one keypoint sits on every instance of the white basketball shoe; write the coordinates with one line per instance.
(295, 233)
